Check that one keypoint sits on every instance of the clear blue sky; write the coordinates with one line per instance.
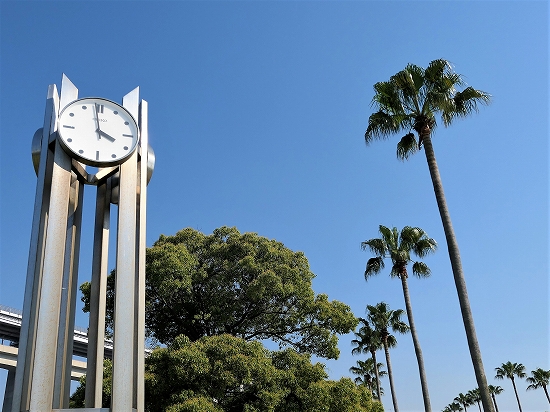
(257, 116)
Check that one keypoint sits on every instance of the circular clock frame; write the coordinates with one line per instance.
(97, 132)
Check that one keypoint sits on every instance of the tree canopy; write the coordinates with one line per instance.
(228, 374)
(240, 284)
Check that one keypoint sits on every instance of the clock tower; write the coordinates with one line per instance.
(113, 139)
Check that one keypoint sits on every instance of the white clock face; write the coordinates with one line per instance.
(97, 132)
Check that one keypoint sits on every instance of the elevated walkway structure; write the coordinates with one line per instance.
(10, 327)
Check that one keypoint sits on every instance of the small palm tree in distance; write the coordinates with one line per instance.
(464, 400)
(539, 379)
(475, 396)
(365, 371)
(452, 407)
(410, 101)
(368, 341)
(495, 390)
(398, 247)
(511, 370)
(383, 319)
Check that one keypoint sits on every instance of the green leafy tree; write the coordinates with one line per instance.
(398, 247)
(78, 397)
(495, 390)
(464, 400)
(228, 374)
(244, 285)
(511, 370)
(366, 375)
(383, 319)
(409, 103)
(539, 379)
(368, 341)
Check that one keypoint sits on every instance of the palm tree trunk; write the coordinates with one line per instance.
(546, 392)
(416, 343)
(390, 376)
(458, 274)
(378, 396)
(495, 402)
(517, 396)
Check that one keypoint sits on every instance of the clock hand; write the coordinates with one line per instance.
(109, 137)
(98, 130)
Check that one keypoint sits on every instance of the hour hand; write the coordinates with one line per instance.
(107, 136)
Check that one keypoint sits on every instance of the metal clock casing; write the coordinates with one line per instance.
(97, 132)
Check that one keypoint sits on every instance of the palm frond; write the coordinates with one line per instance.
(421, 270)
(464, 103)
(374, 266)
(376, 246)
(382, 125)
(407, 146)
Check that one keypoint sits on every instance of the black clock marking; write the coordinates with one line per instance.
(125, 147)
(126, 123)
(128, 135)
(113, 155)
(115, 112)
(81, 151)
(97, 155)
(71, 114)
(99, 108)
(69, 140)
(68, 127)
(84, 107)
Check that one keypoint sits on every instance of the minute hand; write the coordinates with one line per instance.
(107, 136)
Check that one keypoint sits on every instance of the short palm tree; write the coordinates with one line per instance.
(539, 379)
(398, 246)
(368, 341)
(366, 375)
(383, 319)
(452, 407)
(464, 400)
(475, 396)
(495, 390)
(510, 370)
(409, 102)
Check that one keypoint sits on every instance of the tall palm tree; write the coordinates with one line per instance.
(464, 400)
(365, 371)
(539, 379)
(510, 370)
(495, 390)
(475, 396)
(383, 319)
(398, 247)
(368, 341)
(409, 101)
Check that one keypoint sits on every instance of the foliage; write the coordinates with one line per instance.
(539, 379)
(366, 374)
(398, 246)
(78, 396)
(228, 374)
(412, 98)
(410, 101)
(464, 400)
(244, 285)
(475, 396)
(510, 370)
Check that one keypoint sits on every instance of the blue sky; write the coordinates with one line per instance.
(257, 115)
